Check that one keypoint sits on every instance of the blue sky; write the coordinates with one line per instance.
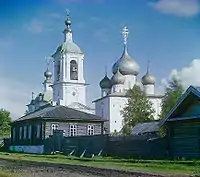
(166, 32)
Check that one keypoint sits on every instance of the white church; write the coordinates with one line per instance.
(68, 87)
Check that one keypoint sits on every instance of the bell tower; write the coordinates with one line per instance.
(69, 85)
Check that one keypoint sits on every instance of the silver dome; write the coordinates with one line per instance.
(126, 65)
(117, 78)
(105, 83)
(48, 73)
(148, 79)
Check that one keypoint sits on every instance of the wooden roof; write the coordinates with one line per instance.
(61, 113)
(191, 94)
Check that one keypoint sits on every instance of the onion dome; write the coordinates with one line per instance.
(148, 79)
(117, 78)
(47, 73)
(105, 83)
(126, 65)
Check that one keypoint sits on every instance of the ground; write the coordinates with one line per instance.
(30, 165)
(34, 169)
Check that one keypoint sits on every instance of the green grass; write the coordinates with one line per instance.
(166, 167)
(6, 174)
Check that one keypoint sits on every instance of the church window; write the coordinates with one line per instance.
(115, 121)
(73, 70)
(38, 131)
(90, 130)
(29, 131)
(25, 131)
(58, 71)
(73, 93)
(73, 130)
(53, 128)
(113, 105)
(20, 133)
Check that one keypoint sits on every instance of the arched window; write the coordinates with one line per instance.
(58, 70)
(73, 70)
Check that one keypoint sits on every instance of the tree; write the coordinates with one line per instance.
(172, 93)
(137, 110)
(5, 119)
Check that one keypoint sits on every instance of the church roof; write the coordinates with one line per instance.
(123, 94)
(60, 113)
(68, 47)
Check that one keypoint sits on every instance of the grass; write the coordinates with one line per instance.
(165, 167)
(5, 174)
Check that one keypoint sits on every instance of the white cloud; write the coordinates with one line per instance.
(189, 75)
(185, 8)
(36, 26)
(14, 96)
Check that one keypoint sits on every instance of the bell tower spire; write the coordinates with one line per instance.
(68, 32)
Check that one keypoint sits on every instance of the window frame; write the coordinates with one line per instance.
(20, 133)
(73, 130)
(90, 130)
(52, 127)
(38, 130)
(25, 132)
(29, 132)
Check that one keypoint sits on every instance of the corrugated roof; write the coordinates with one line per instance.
(60, 113)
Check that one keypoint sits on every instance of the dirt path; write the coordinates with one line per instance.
(42, 169)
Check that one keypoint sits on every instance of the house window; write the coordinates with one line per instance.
(13, 134)
(29, 131)
(38, 131)
(73, 130)
(25, 132)
(90, 130)
(54, 127)
(20, 133)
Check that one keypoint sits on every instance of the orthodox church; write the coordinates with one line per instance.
(113, 91)
(68, 87)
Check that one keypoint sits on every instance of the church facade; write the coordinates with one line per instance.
(113, 91)
(68, 87)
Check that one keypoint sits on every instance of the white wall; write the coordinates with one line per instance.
(102, 110)
(129, 81)
(149, 89)
(156, 104)
(110, 109)
(116, 105)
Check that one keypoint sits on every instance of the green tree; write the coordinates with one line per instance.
(172, 93)
(5, 119)
(137, 110)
